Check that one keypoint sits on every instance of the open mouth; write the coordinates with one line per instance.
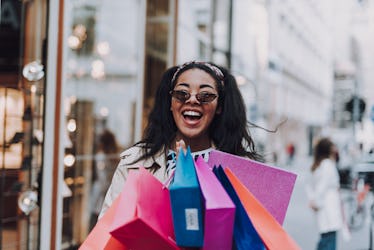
(192, 115)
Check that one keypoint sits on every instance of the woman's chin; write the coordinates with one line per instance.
(193, 136)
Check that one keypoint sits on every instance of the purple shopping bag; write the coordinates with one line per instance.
(219, 209)
(270, 185)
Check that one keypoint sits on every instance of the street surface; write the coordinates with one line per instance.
(300, 221)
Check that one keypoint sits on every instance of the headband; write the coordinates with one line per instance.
(213, 68)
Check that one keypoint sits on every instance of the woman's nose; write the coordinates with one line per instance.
(193, 99)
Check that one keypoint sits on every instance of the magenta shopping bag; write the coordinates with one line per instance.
(143, 217)
(219, 214)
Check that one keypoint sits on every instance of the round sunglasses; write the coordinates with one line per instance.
(203, 97)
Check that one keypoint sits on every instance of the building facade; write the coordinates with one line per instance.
(353, 88)
(297, 84)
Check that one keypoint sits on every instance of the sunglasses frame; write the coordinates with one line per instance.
(183, 96)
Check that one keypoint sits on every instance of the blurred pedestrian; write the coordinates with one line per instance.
(106, 160)
(290, 153)
(197, 104)
(324, 196)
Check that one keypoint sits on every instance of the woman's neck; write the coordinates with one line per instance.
(196, 144)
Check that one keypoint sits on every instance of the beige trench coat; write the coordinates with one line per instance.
(122, 170)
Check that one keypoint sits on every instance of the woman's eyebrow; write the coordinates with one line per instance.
(201, 86)
(182, 84)
(206, 85)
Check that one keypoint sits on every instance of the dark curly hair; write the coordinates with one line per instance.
(229, 130)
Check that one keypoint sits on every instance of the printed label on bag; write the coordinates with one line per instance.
(192, 220)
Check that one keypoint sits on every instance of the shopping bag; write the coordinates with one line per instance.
(143, 216)
(186, 202)
(270, 231)
(219, 210)
(99, 238)
(245, 235)
(272, 186)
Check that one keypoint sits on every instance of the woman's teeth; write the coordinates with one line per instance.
(191, 113)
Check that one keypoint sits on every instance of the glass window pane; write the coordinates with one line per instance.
(194, 37)
(100, 97)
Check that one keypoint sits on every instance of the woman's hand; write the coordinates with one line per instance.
(180, 144)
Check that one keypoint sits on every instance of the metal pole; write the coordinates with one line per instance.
(355, 111)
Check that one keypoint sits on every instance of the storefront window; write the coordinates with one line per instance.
(159, 47)
(101, 91)
(22, 39)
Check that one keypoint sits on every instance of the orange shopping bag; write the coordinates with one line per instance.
(270, 231)
(100, 238)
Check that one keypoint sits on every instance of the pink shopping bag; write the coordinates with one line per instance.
(219, 209)
(270, 231)
(143, 217)
(99, 237)
(272, 186)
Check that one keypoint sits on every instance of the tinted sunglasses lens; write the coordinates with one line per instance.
(181, 96)
(205, 97)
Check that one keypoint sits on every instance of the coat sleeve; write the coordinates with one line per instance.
(119, 177)
(327, 180)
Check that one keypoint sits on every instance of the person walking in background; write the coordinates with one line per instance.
(106, 160)
(290, 153)
(324, 196)
(197, 104)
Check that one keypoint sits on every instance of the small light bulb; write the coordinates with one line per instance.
(69, 160)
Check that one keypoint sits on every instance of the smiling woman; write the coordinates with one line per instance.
(197, 104)
(193, 117)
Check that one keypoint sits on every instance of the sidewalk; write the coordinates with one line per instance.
(299, 221)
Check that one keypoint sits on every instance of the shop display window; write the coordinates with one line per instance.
(21, 142)
(102, 83)
(21, 122)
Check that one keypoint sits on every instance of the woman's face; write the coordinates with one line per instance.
(192, 117)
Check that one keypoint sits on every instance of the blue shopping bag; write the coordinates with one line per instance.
(186, 203)
(245, 235)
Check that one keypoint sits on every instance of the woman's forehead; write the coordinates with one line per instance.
(200, 85)
(195, 76)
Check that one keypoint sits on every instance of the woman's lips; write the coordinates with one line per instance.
(192, 117)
